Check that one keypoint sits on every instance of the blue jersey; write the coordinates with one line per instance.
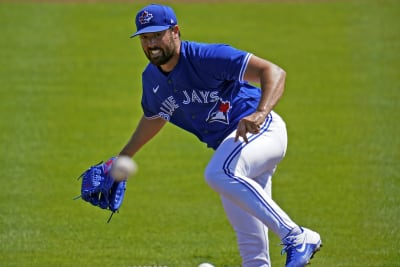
(204, 94)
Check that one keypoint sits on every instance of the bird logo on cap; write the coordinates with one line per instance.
(145, 17)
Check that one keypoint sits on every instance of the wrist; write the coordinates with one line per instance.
(264, 112)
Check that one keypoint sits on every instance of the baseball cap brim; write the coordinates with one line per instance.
(151, 29)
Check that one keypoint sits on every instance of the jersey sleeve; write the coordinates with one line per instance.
(225, 62)
(148, 113)
(149, 103)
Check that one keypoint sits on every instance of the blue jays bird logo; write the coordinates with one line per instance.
(220, 112)
(145, 17)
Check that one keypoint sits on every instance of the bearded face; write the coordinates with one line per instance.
(159, 47)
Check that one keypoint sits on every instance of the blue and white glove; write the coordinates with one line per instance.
(100, 189)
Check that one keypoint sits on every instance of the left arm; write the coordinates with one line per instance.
(272, 82)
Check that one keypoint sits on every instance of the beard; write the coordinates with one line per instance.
(159, 56)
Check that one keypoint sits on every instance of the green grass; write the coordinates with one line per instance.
(70, 96)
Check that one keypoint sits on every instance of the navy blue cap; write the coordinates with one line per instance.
(154, 18)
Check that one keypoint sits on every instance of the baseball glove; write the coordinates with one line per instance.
(100, 189)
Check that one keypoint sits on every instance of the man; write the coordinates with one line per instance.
(204, 89)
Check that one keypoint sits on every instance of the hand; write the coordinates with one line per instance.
(250, 124)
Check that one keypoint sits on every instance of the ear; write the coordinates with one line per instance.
(176, 31)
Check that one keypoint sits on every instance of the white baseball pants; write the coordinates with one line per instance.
(241, 173)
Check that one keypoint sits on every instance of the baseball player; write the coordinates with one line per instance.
(204, 89)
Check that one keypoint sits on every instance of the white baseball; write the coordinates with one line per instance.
(206, 265)
(122, 168)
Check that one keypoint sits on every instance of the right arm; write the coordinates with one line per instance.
(146, 130)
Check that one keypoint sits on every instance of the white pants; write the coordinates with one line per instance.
(241, 173)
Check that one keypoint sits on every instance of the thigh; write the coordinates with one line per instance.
(256, 158)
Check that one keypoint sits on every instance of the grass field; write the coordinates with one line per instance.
(70, 96)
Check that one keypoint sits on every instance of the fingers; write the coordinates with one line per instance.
(241, 135)
(245, 127)
(241, 131)
(255, 129)
(237, 133)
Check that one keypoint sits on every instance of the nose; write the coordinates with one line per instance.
(151, 41)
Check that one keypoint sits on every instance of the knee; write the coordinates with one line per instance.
(214, 177)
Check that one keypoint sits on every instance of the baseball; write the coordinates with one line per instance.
(206, 265)
(122, 168)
